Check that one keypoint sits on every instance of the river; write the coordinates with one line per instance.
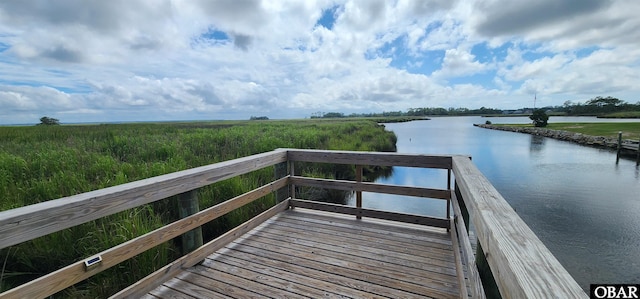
(583, 205)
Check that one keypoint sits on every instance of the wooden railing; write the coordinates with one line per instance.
(523, 267)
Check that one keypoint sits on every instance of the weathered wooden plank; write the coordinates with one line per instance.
(523, 266)
(357, 280)
(29, 222)
(292, 286)
(240, 283)
(381, 250)
(74, 273)
(475, 284)
(150, 282)
(370, 158)
(312, 253)
(305, 280)
(365, 235)
(420, 234)
(416, 219)
(374, 255)
(371, 187)
(194, 291)
(216, 286)
(163, 292)
(314, 232)
(427, 271)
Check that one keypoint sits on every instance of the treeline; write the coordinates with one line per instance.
(413, 112)
(596, 106)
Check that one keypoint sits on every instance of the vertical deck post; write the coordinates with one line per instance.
(292, 172)
(280, 171)
(463, 207)
(359, 193)
(188, 205)
(619, 145)
(488, 280)
(638, 153)
(449, 199)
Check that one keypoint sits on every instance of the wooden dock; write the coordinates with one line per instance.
(301, 248)
(302, 253)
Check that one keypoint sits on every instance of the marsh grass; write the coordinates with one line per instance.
(42, 163)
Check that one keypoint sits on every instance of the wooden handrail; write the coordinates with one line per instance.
(523, 267)
(33, 221)
(370, 158)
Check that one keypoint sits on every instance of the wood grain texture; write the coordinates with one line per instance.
(459, 269)
(74, 273)
(468, 258)
(523, 267)
(29, 222)
(167, 272)
(370, 158)
(416, 219)
(371, 187)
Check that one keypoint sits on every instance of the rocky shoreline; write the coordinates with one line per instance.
(596, 141)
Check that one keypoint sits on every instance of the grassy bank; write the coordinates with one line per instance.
(41, 163)
(626, 114)
(629, 130)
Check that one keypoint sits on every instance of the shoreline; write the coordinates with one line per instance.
(579, 138)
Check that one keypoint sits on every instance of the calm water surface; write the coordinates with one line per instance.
(580, 203)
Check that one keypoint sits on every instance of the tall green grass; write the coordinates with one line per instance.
(42, 163)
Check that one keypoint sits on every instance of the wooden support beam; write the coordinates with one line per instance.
(400, 217)
(359, 193)
(372, 187)
(187, 206)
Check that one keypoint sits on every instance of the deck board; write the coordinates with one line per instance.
(309, 254)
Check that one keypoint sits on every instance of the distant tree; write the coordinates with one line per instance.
(333, 115)
(48, 121)
(539, 118)
(258, 118)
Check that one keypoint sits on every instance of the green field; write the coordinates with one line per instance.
(629, 130)
(41, 163)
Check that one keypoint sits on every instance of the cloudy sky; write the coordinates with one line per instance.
(126, 60)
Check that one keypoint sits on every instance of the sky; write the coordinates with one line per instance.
(163, 60)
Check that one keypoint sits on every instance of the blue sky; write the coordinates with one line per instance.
(158, 60)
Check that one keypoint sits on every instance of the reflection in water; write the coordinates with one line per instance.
(584, 207)
(537, 143)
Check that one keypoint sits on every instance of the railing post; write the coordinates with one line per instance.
(292, 172)
(488, 280)
(463, 207)
(281, 170)
(449, 188)
(188, 205)
(619, 146)
(638, 153)
(359, 193)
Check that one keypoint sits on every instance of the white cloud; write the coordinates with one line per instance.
(117, 59)
(459, 62)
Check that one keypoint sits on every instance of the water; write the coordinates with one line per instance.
(582, 205)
